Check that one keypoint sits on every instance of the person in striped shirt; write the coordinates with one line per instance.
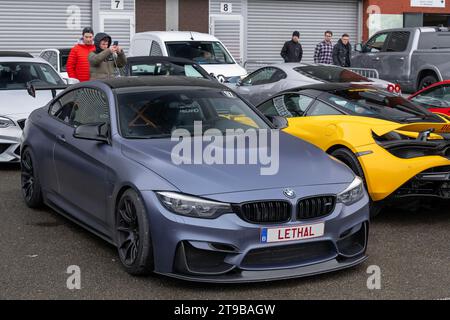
(324, 50)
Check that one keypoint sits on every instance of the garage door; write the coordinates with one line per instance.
(271, 23)
(35, 25)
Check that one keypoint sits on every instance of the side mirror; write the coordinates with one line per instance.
(359, 47)
(278, 122)
(93, 131)
(70, 81)
(239, 83)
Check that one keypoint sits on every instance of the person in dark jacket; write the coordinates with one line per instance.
(342, 52)
(292, 50)
(106, 60)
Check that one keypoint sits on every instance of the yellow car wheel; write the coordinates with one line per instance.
(349, 158)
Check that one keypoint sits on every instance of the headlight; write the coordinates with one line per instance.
(192, 206)
(353, 193)
(6, 122)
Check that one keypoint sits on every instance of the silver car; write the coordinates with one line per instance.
(269, 80)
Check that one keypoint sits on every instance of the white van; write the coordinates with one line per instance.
(202, 48)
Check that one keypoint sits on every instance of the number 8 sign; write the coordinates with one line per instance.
(226, 7)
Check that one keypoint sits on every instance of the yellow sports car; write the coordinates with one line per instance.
(398, 148)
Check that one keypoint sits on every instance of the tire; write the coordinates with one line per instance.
(352, 162)
(134, 242)
(427, 81)
(30, 184)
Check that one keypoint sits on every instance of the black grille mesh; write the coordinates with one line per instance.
(266, 211)
(315, 207)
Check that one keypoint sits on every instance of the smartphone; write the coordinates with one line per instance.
(115, 43)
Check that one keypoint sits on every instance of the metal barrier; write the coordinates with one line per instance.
(368, 73)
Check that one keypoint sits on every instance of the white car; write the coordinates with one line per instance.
(264, 82)
(203, 48)
(19, 72)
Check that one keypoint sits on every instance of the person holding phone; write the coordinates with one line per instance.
(106, 60)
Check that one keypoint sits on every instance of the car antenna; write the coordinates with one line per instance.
(192, 37)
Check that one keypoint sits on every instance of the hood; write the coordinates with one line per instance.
(19, 103)
(412, 127)
(227, 70)
(300, 164)
(98, 37)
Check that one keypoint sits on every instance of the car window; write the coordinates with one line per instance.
(167, 68)
(287, 105)
(155, 49)
(156, 114)
(202, 52)
(398, 41)
(81, 106)
(376, 43)
(53, 59)
(382, 104)
(435, 97)
(63, 57)
(264, 76)
(16, 75)
(330, 73)
(320, 109)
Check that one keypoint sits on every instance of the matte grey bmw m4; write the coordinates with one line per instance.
(105, 155)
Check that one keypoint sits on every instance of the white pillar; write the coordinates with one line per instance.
(172, 10)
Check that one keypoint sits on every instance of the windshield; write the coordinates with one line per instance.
(435, 97)
(202, 52)
(167, 69)
(15, 75)
(331, 74)
(150, 114)
(379, 104)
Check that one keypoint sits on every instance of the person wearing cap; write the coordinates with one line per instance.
(106, 60)
(292, 50)
(77, 63)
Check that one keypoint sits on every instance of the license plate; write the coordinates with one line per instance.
(292, 233)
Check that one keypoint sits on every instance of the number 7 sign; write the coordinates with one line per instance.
(117, 4)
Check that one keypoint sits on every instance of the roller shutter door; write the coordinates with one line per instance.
(270, 23)
(35, 25)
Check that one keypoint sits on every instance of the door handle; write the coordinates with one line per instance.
(376, 59)
(61, 138)
(401, 58)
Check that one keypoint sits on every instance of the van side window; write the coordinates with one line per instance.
(398, 41)
(156, 49)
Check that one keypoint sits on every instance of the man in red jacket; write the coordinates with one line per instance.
(77, 63)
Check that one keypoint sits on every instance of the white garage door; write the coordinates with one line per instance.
(270, 23)
(33, 25)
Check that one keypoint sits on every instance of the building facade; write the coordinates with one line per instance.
(253, 30)
(34, 25)
(383, 14)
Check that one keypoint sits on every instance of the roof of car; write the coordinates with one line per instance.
(162, 81)
(15, 54)
(154, 59)
(177, 35)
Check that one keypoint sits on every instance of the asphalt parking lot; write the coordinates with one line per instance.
(411, 248)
